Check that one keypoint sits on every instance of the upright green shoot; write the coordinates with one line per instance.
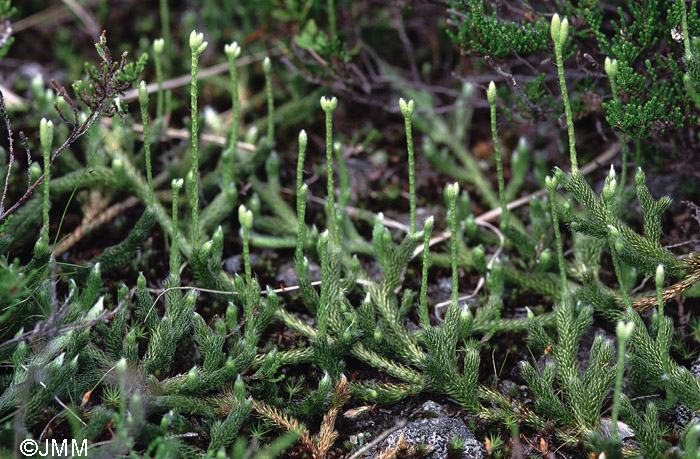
(174, 249)
(233, 51)
(267, 69)
(165, 26)
(158, 45)
(323, 248)
(452, 191)
(551, 184)
(423, 304)
(611, 68)
(686, 34)
(407, 112)
(614, 241)
(560, 32)
(491, 96)
(302, 190)
(143, 100)
(660, 290)
(328, 106)
(331, 19)
(303, 141)
(46, 139)
(624, 333)
(245, 218)
(197, 47)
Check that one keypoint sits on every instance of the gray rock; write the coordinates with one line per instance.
(287, 274)
(437, 433)
(234, 264)
(682, 416)
(431, 409)
(695, 368)
(623, 430)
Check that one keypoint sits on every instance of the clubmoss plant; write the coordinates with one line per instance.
(611, 69)
(210, 352)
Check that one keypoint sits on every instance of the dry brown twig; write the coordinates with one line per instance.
(318, 446)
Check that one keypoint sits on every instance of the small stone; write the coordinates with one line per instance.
(623, 430)
(431, 409)
(436, 433)
(287, 275)
(234, 264)
(509, 388)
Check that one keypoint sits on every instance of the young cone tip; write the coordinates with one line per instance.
(197, 43)
(158, 45)
(491, 93)
(245, 217)
(177, 184)
(121, 366)
(328, 104)
(35, 169)
(46, 133)
(406, 107)
(452, 190)
(555, 27)
(559, 30)
(232, 50)
(267, 65)
(624, 330)
(660, 274)
(611, 67)
(143, 93)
